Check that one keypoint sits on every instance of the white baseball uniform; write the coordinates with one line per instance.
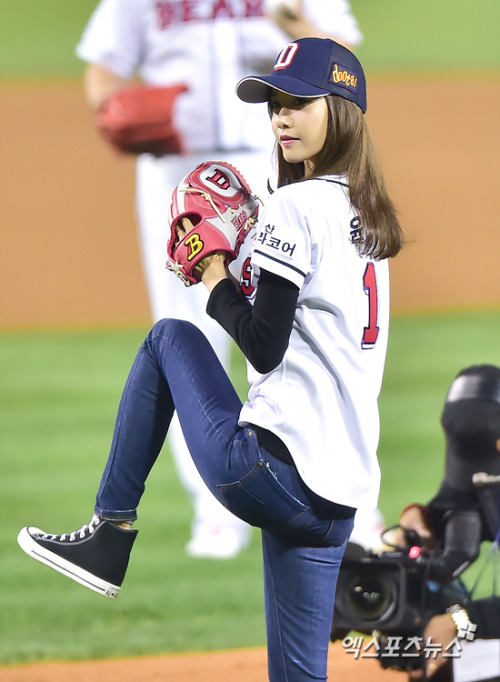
(307, 235)
(209, 45)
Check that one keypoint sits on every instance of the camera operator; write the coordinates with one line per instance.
(471, 422)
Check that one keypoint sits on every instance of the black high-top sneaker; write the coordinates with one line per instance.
(96, 555)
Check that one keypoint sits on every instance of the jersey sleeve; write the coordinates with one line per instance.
(283, 244)
(112, 37)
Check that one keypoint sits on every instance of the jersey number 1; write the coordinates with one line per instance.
(370, 333)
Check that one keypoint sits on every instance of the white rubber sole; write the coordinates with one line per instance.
(45, 556)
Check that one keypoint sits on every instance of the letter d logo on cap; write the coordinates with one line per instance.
(286, 56)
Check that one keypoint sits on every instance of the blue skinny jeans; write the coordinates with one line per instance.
(303, 535)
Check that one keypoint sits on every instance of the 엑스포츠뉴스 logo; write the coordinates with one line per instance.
(343, 76)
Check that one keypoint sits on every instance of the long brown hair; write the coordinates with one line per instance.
(349, 151)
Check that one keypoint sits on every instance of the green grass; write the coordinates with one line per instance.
(38, 37)
(59, 395)
(425, 353)
(428, 35)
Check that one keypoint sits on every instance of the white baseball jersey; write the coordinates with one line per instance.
(322, 398)
(209, 45)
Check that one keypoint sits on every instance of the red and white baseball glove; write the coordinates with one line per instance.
(139, 120)
(219, 203)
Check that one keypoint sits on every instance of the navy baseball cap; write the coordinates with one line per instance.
(310, 67)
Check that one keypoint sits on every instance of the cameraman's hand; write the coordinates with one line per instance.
(439, 630)
(412, 518)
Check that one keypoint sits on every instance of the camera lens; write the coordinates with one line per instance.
(369, 596)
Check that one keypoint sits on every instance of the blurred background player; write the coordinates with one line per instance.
(208, 46)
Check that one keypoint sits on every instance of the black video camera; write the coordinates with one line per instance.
(395, 593)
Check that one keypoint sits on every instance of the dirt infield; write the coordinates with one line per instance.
(247, 665)
(69, 252)
(69, 257)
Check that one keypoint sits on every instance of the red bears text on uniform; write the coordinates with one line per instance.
(170, 12)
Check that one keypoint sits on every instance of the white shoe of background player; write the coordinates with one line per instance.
(368, 527)
(218, 542)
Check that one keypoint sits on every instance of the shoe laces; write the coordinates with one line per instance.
(79, 534)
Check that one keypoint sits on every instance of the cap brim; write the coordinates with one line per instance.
(255, 89)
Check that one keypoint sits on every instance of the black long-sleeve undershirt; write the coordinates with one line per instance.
(261, 331)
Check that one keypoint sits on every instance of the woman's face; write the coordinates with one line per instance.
(300, 126)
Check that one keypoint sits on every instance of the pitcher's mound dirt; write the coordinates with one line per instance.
(242, 665)
(68, 248)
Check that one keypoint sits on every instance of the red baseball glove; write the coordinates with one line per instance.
(139, 120)
(220, 205)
